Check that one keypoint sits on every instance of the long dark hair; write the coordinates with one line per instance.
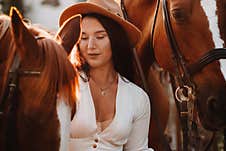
(122, 53)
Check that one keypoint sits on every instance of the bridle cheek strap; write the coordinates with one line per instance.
(11, 86)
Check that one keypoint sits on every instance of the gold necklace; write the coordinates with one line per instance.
(103, 91)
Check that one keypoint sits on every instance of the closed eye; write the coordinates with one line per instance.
(84, 38)
(100, 37)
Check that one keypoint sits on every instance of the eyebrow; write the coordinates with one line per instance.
(99, 31)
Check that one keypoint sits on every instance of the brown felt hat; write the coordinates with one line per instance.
(108, 8)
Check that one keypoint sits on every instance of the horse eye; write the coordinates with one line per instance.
(180, 15)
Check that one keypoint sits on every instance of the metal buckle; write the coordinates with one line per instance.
(184, 93)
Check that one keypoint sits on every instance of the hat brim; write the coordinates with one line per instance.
(132, 31)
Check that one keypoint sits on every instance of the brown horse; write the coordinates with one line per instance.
(37, 85)
(179, 33)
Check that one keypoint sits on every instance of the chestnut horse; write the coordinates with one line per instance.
(184, 37)
(37, 85)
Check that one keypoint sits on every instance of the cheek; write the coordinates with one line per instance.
(108, 54)
(107, 48)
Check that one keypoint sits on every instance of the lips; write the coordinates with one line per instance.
(93, 54)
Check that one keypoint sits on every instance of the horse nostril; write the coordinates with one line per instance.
(212, 103)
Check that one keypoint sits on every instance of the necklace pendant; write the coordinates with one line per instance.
(103, 93)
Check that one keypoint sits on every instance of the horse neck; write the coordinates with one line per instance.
(143, 8)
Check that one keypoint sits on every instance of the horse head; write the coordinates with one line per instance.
(37, 86)
(196, 28)
(184, 38)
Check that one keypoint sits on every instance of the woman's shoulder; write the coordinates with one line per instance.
(138, 97)
(134, 89)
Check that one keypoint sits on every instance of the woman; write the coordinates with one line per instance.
(112, 113)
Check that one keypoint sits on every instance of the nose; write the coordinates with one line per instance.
(216, 105)
(91, 43)
(212, 104)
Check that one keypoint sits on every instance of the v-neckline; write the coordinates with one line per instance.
(116, 106)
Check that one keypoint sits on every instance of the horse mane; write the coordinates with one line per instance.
(63, 75)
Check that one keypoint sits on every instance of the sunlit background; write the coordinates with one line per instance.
(43, 12)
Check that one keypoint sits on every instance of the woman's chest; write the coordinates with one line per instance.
(84, 124)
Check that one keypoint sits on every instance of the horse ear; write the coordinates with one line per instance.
(70, 33)
(21, 34)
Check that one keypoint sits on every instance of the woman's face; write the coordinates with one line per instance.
(95, 44)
